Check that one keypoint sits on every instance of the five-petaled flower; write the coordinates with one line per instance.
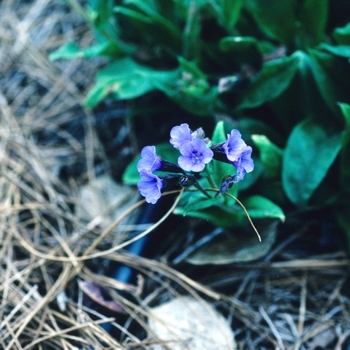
(150, 186)
(149, 159)
(195, 155)
(234, 146)
(180, 134)
(244, 164)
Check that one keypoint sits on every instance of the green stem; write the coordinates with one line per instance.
(211, 181)
(200, 188)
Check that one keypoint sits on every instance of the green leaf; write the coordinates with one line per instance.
(301, 99)
(313, 20)
(342, 35)
(150, 13)
(225, 215)
(341, 50)
(220, 216)
(125, 79)
(311, 150)
(100, 12)
(270, 155)
(274, 78)
(345, 152)
(67, 51)
(243, 50)
(145, 21)
(260, 207)
(276, 18)
(236, 248)
(294, 23)
(331, 76)
(227, 12)
(71, 51)
(198, 202)
(190, 89)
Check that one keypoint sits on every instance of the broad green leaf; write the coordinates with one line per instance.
(100, 12)
(229, 216)
(244, 50)
(300, 100)
(190, 89)
(191, 33)
(151, 25)
(274, 78)
(340, 50)
(227, 12)
(236, 247)
(67, 51)
(239, 44)
(100, 15)
(345, 152)
(311, 150)
(260, 207)
(200, 202)
(166, 151)
(276, 18)
(342, 35)
(125, 79)
(192, 69)
(313, 20)
(71, 51)
(221, 216)
(270, 155)
(332, 81)
(293, 23)
(150, 12)
(231, 10)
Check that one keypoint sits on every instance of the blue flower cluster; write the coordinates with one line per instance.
(196, 152)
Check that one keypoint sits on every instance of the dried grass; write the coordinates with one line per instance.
(287, 304)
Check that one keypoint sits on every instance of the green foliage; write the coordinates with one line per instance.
(270, 155)
(273, 79)
(311, 150)
(125, 79)
(276, 69)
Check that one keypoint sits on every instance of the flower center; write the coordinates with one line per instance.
(196, 157)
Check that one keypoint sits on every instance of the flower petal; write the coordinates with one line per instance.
(195, 155)
(150, 186)
(149, 161)
(234, 146)
(179, 134)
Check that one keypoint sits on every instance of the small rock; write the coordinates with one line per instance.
(185, 323)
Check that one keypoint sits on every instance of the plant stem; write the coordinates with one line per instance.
(211, 181)
(200, 188)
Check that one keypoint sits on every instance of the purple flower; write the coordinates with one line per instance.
(150, 186)
(244, 164)
(234, 146)
(179, 134)
(149, 161)
(195, 155)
